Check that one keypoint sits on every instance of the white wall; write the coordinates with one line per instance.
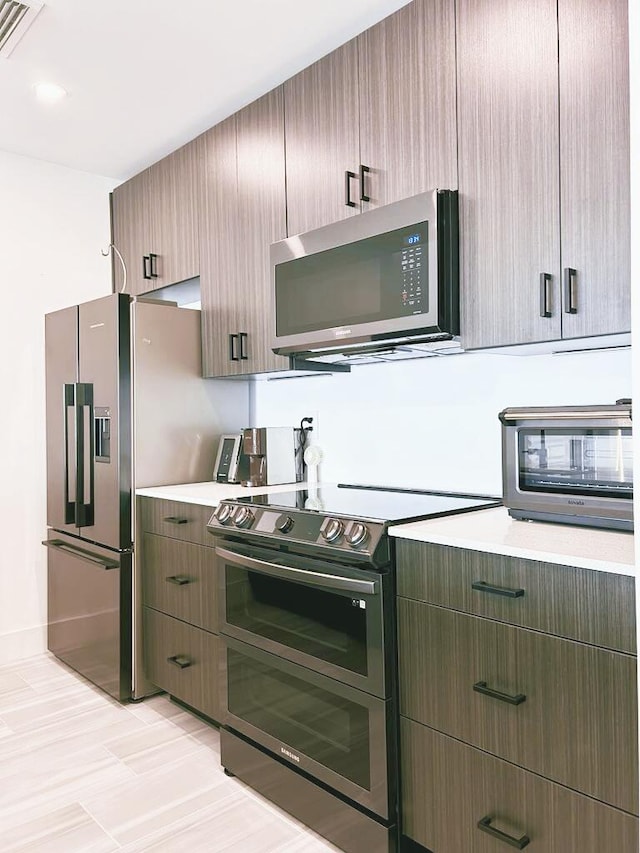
(433, 423)
(53, 223)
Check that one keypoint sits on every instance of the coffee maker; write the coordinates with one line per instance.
(272, 455)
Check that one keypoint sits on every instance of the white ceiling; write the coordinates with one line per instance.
(144, 77)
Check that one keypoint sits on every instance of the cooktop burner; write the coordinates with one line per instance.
(372, 503)
(344, 521)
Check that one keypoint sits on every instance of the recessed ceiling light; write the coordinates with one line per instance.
(49, 93)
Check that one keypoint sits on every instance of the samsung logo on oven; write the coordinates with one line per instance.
(341, 333)
(575, 502)
(290, 754)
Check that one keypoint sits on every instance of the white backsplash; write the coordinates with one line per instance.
(433, 423)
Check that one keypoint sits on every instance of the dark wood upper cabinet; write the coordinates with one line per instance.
(321, 131)
(154, 223)
(508, 170)
(543, 143)
(407, 100)
(384, 101)
(594, 164)
(130, 232)
(244, 211)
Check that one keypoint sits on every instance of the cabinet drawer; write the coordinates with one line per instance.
(577, 723)
(179, 578)
(182, 660)
(590, 606)
(176, 519)
(449, 787)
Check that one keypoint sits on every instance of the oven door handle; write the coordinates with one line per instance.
(299, 575)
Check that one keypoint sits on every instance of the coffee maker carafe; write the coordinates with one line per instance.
(271, 453)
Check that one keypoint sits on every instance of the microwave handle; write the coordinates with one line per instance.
(318, 579)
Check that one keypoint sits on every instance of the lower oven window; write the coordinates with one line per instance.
(327, 728)
(324, 624)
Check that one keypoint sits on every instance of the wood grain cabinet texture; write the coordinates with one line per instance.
(450, 787)
(532, 678)
(385, 101)
(543, 145)
(179, 594)
(244, 211)
(155, 222)
(593, 607)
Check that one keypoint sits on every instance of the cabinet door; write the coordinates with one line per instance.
(218, 244)
(130, 232)
(408, 102)
(175, 182)
(508, 170)
(449, 787)
(262, 219)
(594, 163)
(565, 710)
(321, 132)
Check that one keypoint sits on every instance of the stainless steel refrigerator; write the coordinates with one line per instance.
(126, 407)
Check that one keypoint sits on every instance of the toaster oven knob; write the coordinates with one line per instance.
(284, 523)
(224, 513)
(244, 517)
(333, 529)
(358, 534)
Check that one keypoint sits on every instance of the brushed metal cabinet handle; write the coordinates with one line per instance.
(481, 687)
(485, 825)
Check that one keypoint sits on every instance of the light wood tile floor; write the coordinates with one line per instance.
(80, 773)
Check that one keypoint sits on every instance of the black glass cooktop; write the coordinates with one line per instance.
(373, 503)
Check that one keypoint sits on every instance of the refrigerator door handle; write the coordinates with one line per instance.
(60, 545)
(70, 472)
(84, 455)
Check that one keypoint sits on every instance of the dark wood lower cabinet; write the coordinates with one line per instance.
(563, 709)
(183, 660)
(179, 579)
(448, 788)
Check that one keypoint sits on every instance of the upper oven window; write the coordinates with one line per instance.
(327, 625)
(579, 460)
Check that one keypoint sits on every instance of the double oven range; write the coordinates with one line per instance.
(307, 621)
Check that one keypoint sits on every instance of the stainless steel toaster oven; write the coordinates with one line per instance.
(570, 464)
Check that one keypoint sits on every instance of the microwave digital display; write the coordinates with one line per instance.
(380, 278)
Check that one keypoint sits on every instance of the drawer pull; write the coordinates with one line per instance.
(175, 519)
(178, 580)
(485, 825)
(483, 586)
(481, 687)
(181, 661)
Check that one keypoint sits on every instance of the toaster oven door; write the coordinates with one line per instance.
(595, 462)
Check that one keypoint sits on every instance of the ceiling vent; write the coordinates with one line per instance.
(15, 20)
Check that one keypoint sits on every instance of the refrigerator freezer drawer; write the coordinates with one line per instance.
(89, 616)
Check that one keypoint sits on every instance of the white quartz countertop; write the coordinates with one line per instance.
(495, 532)
(210, 494)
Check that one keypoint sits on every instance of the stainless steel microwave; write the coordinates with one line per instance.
(571, 464)
(385, 276)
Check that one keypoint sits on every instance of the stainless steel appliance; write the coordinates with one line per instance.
(126, 407)
(307, 621)
(272, 455)
(232, 463)
(570, 464)
(386, 278)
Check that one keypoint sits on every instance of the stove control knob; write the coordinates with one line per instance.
(358, 534)
(224, 513)
(284, 523)
(333, 529)
(244, 517)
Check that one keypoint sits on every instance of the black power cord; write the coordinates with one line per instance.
(302, 437)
